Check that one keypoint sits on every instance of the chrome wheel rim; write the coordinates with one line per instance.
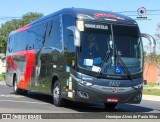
(56, 94)
(15, 85)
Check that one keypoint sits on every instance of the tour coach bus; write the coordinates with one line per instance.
(78, 54)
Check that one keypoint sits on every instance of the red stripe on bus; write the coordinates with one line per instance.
(25, 79)
(10, 64)
(23, 28)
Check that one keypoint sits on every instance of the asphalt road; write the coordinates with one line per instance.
(40, 103)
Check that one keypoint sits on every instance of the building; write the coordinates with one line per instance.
(2, 63)
(151, 73)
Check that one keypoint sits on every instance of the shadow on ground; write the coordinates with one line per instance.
(89, 107)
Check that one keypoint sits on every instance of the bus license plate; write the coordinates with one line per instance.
(113, 100)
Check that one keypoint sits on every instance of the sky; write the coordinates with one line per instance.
(17, 8)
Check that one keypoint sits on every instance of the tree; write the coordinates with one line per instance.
(157, 35)
(14, 24)
(30, 17)
(152, 58)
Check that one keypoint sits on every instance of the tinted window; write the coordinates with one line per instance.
(53, 34)
(70, 46)
(45, 34)
(18, 42)
(69, 40)
(30, 39)
(67, 21)
(40, 34)
(9, 46)
(126, 40)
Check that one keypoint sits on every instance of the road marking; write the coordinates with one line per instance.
(22, 102)
(15, 96)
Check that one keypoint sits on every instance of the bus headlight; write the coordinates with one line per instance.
(139, 86)
(85, 83)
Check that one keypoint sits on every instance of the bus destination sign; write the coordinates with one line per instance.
(96, 26)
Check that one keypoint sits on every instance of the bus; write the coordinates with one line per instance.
(51, 56)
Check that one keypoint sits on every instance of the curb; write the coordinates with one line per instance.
(151, 97)
(2, 83)
(156, 87)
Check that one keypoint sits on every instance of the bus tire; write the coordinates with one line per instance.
(110, 105)
(56, 93)
(16, 90)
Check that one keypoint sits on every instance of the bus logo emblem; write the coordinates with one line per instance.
(114, 90)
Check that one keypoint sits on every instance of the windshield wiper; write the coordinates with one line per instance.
(104, 61)
(123, 65)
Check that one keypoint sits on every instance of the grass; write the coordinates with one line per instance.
(152, 92)
(1, 77)
(151, 85)
(151, 89)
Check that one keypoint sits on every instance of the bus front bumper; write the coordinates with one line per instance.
(105, 94)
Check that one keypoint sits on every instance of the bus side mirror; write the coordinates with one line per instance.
(152, 42)
(76, 34)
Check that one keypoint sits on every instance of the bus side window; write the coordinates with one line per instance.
(9, 45)
(30, 39)
(71, 51)
(19, 42)
(70, 45)
(53, 36)
(69, 20)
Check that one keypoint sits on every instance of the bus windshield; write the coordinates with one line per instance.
(100, 49)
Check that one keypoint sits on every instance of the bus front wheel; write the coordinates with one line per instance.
(56, 92)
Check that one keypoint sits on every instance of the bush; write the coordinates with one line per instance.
(1, 77)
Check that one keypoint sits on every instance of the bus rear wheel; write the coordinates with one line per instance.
(16, 90)
(56, 92)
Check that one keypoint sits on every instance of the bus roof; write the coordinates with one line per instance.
(86, 14)
(90, 14)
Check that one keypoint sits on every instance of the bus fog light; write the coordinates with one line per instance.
(83, 94)
(138, 98)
